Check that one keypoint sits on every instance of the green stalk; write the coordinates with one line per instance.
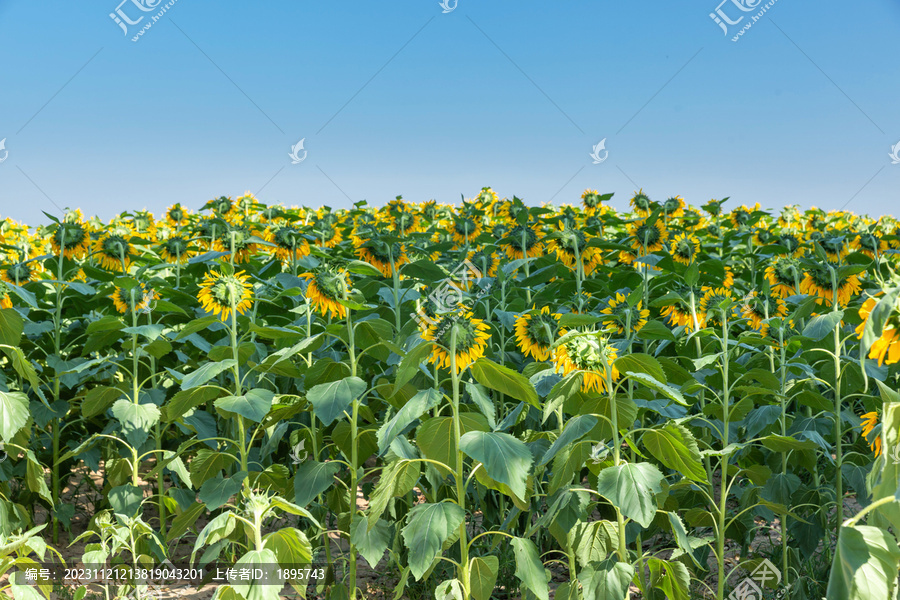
(460, 482)
(57, 344)
(617, 453)
(838, 434)
(723, 484)
(354, 446)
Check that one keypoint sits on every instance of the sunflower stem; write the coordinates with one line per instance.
(459, 475)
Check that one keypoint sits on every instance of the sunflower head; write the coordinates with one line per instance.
(592, 355)
(714, 207)
(221, 293)
(623, 318)
(673, 207)
(461, 330)
(177, 215)
(646, 237)
(641, 204)
(685, 248)
(714, 307)
(175, 250)
(522, 241)
(72, 238)
(114, 251)
(823, 282)
(872, 431)
(759, 308)
(325, 289)
(535, 331)
(5, 300)
(18, 273)
(135, 299)
(591, 199)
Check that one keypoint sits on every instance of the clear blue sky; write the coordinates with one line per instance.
(399, 98)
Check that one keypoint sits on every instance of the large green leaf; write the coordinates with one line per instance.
(435, 437)
(632, 488)
(653, 383)
(370, 542)
(822, 325)
(574, 430)
(428, 527)
(185, 400)
(418, 405)
(11, 327)
(207, 464)
(675, 447)
(253, 405)
(290, 545)
(312, 479)
(865, 564)
(409, 366)
(265, 589)
(205, 373)
(98, 399)
(505, 458)
(397, 479)
(330, 400)
(641, 363)
(505, 380)
(530, 569)
(217, 491)
(137, 420)
(608, 580)
(483, 572)
(13, 414)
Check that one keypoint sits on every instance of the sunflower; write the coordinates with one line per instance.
(586, 353)
(238, 237)
(486, 198)
(219, 293)
(619, 313)
(817, 282)
(763, 236)
(522, 241)
(709, 311)
(379, 254)
(783, 275)
(175, 250)
(113, 250)
(325, 289)
(327, 235)
(685, 248)
(143, 224)
(886, 349)
(177, 215)
(486, 262)
(758, 308)
(641, 203)
(626, 258)
(224, 207)
(465, 230)
(793, 241)
(579, 302)
(565, 245)
(535, 332)
(137, 298)
(74, 237)
(19, 273)
(869, 422)
(471, 339)
(510, 210)
(5, 300)
(647, 238)
(289, 243)
(729, 278)
(673, 207)
(592, 201)
(835, 245)
(741, 215)
(679, 315)
(870, 244)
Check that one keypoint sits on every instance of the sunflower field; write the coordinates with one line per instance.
(488, 400)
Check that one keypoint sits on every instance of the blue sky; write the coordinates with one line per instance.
(399, 98)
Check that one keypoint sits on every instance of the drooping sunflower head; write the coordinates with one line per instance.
(465, 229)
(522, 241)
(673, 207)
(886, 348)
(240, 239)
(73, 238)
(714, 207)
(791, 240)
(647, 238)
(470, 336)
(5, 300)
(759, 308)
(325, 289)
(641, 204)
(381, 254)
(19, 273)
(223, 206)
(835, 245)
(871, 431)
(592, 355)
(327, 234)
(137, 298)
(817, 281)
(570, 244)
(177, 215)
(499, 231)
(685, 248)
(220, 293)
(621, 316)
(143, 223)
(486, 262)
(176, 249)
(272, 214)
(741, 216)
(535, 332)
(486, 198)
(591, 200)
(114, 251)
(783, 275)
(714, 307)
(763, 236)
(870, 244)
(678, 314)
(288, 242)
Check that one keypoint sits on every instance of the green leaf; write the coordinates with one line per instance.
(530, 569)
(98, 399)
(330, 400)
(363, 268)
(865, 564)
(505, 458)
(451, 589)
(675, 447)
(666, 390)
(632, 487)
(195, 326)
(409, 366)
(483, 572)
(574, 430)
(608, 580)
(784, 443)
(151, 332)
(267, 587)
(570, 320)
(126, 500)
(427, 528)
(34, 476)
(822, 325)
(505, 380)
(397, 479)
(312, 479)
(436, 440)
(207, 464)
(205, 373)
(654, 330)
(24, 369)
(418, 405)
(564, 390)
(641, 363)
(371, 542)
(137, 420)
(13, 414)
(290, 546)
(217, 491)
(11, 327)
(185, 400)
(253, 405)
